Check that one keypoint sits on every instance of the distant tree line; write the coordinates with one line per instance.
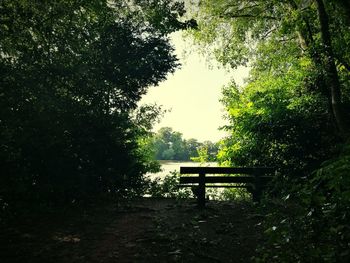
(168, 144)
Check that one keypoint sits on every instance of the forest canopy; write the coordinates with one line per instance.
(292, 113)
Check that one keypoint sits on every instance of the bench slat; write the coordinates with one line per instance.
(223, 179)
(226, 170)
(217, 186)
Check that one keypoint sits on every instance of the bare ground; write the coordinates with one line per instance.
(143, 230)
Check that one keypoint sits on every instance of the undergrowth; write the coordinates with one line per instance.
(311, 223)
(168, 187)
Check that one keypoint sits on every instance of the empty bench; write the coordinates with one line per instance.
(254, 179)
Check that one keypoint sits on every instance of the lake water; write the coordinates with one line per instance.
(169, 166)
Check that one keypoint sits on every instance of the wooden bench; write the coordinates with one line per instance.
(254, 179)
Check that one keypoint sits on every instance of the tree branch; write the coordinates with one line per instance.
(342, 62)
(232, 15)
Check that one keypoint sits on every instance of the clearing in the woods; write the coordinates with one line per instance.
(143, 230)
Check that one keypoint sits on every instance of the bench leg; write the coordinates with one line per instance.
(256, 196)
(257, 189)
(201, 191)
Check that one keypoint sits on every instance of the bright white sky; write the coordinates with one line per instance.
(192, 94)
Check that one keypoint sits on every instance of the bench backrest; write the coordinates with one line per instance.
(227, 170)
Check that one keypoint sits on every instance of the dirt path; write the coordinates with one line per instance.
(145, 230)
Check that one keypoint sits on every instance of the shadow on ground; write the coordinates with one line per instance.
(143, 230)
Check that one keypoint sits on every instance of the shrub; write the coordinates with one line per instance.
(311, 223)
(168, 187)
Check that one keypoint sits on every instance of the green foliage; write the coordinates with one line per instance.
(275, 122)
(311, 224)
(144, 117)
(168, 187)
(203, 156)
(207, 152)
(229, 194)
(169, 145)
(271, 35)
(192, 147)
(292, 114)
(71, 74)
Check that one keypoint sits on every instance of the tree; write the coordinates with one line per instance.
(169, 145)
(191, 147)
(212, 149)
(280, 41)
(292, 114)
(244, 30)
(275, 122)
(72, 73)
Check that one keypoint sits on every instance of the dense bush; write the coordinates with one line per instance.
(168, 187)
(311, 224)
(71, 74)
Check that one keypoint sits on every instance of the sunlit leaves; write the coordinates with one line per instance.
(270, 122)
(283, 115)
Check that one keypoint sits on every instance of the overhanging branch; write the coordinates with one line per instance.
(231, 15)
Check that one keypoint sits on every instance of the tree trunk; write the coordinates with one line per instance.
(307, 42)
(331, 74)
